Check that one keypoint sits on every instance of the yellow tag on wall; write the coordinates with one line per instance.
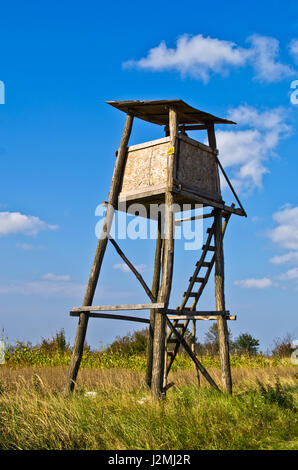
(171, 151)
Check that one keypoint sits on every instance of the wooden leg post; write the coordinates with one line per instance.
(220, 305)
(163, 296)
(155, 288)
(193, 348)
(159, 340)
(100, 251)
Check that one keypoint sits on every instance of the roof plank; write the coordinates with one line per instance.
(157, 112)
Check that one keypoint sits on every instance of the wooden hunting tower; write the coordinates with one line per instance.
(175, 169)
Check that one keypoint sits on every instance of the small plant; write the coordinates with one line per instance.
(277, 394)
(37, 383)
(283, 346)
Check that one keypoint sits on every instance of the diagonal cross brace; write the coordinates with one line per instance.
(231, 186)
(194, 304)
(192, 355)
(133, 269)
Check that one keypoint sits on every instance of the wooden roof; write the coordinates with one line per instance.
(157, 112)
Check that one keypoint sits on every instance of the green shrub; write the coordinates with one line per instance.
(277, 394)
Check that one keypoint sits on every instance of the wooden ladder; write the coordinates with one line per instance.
(197, 283)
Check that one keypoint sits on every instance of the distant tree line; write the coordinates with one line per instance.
(136, 343)
(245, 343)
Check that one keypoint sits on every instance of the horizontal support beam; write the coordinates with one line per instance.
(193, 127)
(188, 312)
(195, 217)
(108, 308)
(200, 317)
(219, 205)
(111, 316)
(186, 127)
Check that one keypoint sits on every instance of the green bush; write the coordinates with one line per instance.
(277, 394)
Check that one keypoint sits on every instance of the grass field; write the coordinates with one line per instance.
(23, 355)
(261, 414)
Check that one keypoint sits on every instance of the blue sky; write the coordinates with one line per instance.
(60, 62)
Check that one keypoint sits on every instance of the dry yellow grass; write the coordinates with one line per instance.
(129, 380)
(34, 414)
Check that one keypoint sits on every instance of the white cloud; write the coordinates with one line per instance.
(54, 286)
(200, 56)
(253, 283)
(43, 288)
(264, 53)
(56, 277)
(29, 247)
(197, 56)
(124, 268)
(288, 258)
(268, 119)
(247, 151)
(285, 236)
(291, 274)
(15, 222)
(256, 219)
(48, 286)
(25, 246)
(286, 233)
(294, 49)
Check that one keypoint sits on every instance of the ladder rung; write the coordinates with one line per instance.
(172, 341)
(206, 264)
(199, 279)
(209, 248)
(190, 294)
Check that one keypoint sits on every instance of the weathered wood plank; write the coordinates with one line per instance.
(195, 217)
(170, 311)
(210, 202)
(201, 317)
(150, 143)
(111, 316)
(195, 143)
(198, 190)
(102, 308)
